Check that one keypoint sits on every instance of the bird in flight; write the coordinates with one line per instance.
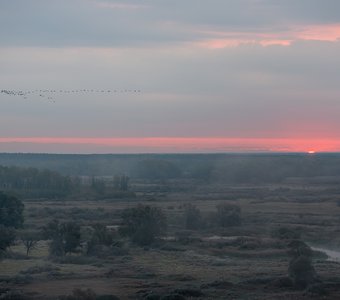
(50, 94)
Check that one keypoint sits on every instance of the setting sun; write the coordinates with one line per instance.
(311, 152)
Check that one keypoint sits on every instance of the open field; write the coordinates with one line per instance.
(238, 262)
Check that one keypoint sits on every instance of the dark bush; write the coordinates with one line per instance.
(100, 236)
(193, 218)
(299, 248)
(143, 224)
(7, 237)
(228, 215)
(11, 211)
(301, 271)
(65, 237)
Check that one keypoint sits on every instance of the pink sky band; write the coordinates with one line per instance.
(181, 144)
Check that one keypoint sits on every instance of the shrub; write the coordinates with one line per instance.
(65, 237)
(121, 183)
(7, 236)
(143, 224)
(301, 271)
(11, 211)
(228, 215)
(193, 217)
(100, 236)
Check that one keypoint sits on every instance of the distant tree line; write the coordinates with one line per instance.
(32, 179)
(33, 182)
(233, 168)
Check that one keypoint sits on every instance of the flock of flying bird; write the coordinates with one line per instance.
(49, 94)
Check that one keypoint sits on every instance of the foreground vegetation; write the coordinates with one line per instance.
(179, 238)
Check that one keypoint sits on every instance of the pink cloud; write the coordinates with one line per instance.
(329, 32)
(225, 39)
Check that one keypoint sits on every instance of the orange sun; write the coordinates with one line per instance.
(311, 152)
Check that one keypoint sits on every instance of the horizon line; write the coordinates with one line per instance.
(138, 145)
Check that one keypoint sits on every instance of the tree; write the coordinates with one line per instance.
(29, 239)
(11, 217)
(98, 185)
(121, 183)
(193, 217)
(65, 237)
(301, 269)
(143, 224)
(11, 211)
(100, 237)
(228, 215)
(7, 236)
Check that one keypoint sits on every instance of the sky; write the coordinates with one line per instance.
(213, 76)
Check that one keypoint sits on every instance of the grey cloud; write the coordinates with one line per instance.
(247, 90)
(244, 91)
(90, 23)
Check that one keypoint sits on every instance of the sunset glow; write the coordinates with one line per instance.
(329, 33)
(170, 144)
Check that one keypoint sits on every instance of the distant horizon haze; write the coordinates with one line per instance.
(100, 145)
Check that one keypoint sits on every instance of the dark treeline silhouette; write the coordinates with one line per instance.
(29, 180)
(229, 168)
(42, 183)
